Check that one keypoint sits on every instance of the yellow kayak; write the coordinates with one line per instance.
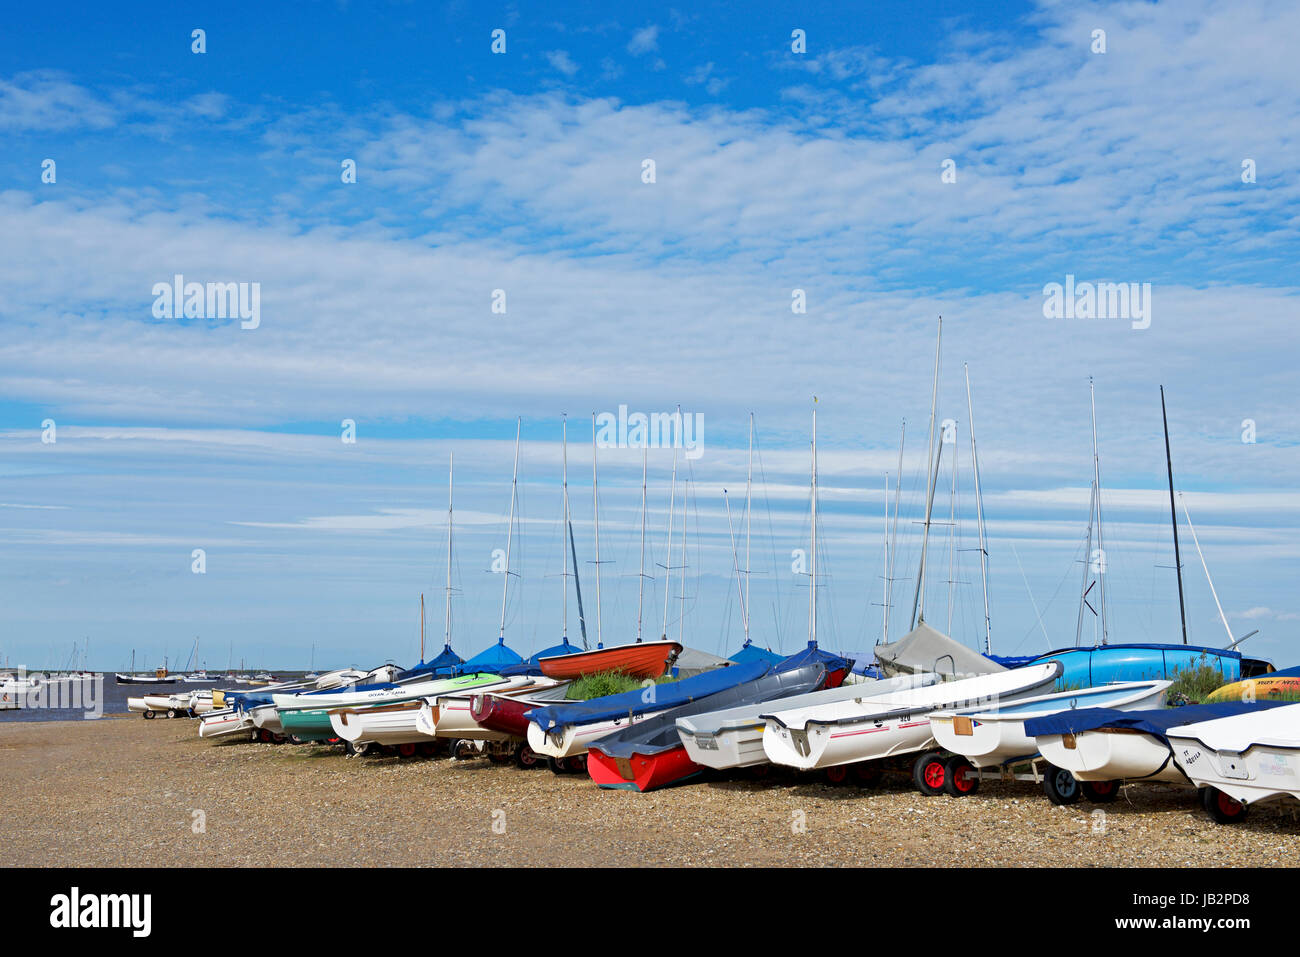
(1266, 688)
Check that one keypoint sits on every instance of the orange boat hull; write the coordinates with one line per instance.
(641, 772)
(647, 659)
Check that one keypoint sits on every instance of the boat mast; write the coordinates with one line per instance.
(735, 562)
(932, 474)
(749, 485)
(668, 546)
(640, 588)
(451, 462)
(313, 647)
(884, 598)
(1197, 541)
(1101, 542)
(893, 536)
(595, 514)
(979, 513)
(812, 601)
(510, 529)
(573, 548)
(952, 526)
(681, 616)
(1178, 562)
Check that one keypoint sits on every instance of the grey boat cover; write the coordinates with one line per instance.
(925, 649)
(1155, 721)
(658, 734)
(692, 661)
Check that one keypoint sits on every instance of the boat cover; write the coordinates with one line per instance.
(447, 663)
(812, 654)
(1155, 721)
(1281, 730)
(924, 649)
(672, 694)
(692, 661)
(658, 734)
(493, 658)
(751, 652)
(1135, 661)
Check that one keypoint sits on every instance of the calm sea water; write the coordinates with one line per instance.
(106, 696)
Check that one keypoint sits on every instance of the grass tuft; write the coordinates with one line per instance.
(601, 684)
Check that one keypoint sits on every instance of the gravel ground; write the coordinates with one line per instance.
(123, 791)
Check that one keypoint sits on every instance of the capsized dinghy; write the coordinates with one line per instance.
(1243, 759)
(733, 737)
(1101, 744)
(1279, 686)
(641, 659)
(650, 754)
(869, 728)
(565, 730)
(990, 737)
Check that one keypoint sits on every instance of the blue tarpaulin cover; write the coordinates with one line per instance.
(493, 658)
(812, 654)
(447, 663)
(1155, 721)
(751, 652)
(669, 695)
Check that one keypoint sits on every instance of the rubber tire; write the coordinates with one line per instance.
(171, 712)
(578, 763)
(427, 749)
(294, 739)
(526, 758)
(278, 738)
(1100, 792)
(1221, 807)
(837, 775)
(558, 765)
(264, 736)
(929, 773)
(957, 782)
(1060, 786)
(149, 715)
(406, 749)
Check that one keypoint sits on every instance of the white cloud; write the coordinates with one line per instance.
(561, 61)
(644, 40)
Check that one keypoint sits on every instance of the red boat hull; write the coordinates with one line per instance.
(646, 659)
(501, 714)
(641, 772)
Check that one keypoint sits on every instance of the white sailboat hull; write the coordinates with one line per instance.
(267, 717)
(1252, 757)
(570, 740)
(449, 716)
(220, 723)
(387, 725)
(1111, 754)
(867, 729)
(991, 738)
(733, 738)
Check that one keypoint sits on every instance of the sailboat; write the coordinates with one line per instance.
(1106, 662)
(749, 651)
(311, 674)
(639, 659)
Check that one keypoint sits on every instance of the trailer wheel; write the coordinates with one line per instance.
(526, 758)
(837, 775)
(1222, 807)
(578, 763)
(294, 739)
(866, 774)
(428, 749)
(929, 774)
(1100, 792)
(558, 765)
(149, 715)
(406, 749)
(171, 712)
(1060, 786)
(960, 777)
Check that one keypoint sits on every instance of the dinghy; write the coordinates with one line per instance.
(504, 711)
(565, 730)
(651, 754)
(1278, 686)
(395, 724)
(645, 659)
(451, 715)
(218, 724)
(1106, 746)
(990, 737)
(733, 737)
(356, 696)
(865, 729)
(1241, 760)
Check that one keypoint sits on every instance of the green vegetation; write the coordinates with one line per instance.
(604, 683)
(1194, 685)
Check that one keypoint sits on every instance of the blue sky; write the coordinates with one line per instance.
(775, 171)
